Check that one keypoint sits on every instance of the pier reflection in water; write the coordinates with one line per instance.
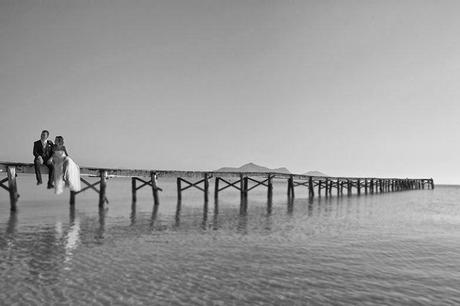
(394, 248)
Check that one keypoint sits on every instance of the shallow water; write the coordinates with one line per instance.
(393, 248)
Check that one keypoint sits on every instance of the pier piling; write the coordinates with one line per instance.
(179, 190)
(153, 178)
(216, 188)
(245, 188)
(206, 187)
(269, 188)
(133, 190)
(241, 186)
(102, 187)
(311, 189)
(72, 198)
(366, 185)
(290, 191)
(13, 187)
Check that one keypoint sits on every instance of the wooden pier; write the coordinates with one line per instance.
(244, 182)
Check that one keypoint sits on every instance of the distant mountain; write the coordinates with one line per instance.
(251, 167)
(315, 173)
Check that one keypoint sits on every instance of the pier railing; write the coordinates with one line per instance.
(241, 181)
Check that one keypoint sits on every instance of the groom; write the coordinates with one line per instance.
(42, 153)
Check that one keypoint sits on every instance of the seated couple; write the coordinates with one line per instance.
(63, 171)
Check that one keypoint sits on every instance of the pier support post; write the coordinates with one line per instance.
(12, 186)
(179, 189)
(103, 186)
(358, 186)
(432, 184)
(349, 186)
(242, 186)
(290, 191)
(326, 183)
(331, 185)
(156, 199)
(319, 188)
(206, 187)
(244, 194)
(311, 189)
(216, 188)
(245, 187)
(337, 185)
(133, 190)
(365, 186)
(269, 188)
(72, 198)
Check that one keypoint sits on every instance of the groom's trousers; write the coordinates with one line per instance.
(38, 173)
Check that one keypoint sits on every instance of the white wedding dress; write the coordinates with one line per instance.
(66, 173)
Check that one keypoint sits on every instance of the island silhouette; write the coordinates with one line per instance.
(252, 167)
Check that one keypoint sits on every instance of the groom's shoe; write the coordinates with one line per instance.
(39, 183)
(50, 186)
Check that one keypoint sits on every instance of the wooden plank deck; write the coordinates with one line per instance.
(28, 168)
(201, 182)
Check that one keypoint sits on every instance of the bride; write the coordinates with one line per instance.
(66, 171)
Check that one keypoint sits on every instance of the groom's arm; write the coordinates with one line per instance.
(35, 150)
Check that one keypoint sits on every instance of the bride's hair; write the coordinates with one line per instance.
(60, 140)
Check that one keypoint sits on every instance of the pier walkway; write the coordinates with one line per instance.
(241, 181)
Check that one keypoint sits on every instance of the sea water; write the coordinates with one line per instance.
(386, 249)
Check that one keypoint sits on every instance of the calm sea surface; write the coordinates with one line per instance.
(394, 248)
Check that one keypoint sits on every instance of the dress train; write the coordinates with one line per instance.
(66, 173)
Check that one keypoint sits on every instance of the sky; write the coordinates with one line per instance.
(349, 88)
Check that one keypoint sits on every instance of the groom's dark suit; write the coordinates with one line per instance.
(45, 153)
